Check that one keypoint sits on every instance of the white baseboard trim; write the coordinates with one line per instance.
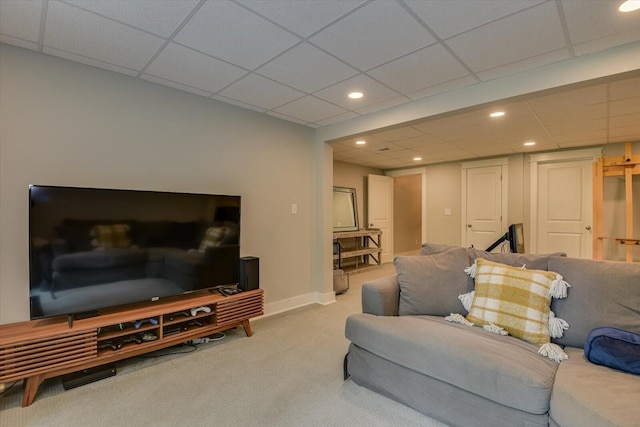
(297, 302)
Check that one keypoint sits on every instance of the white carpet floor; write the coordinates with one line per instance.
(289, 373)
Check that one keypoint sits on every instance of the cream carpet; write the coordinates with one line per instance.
(289, 373)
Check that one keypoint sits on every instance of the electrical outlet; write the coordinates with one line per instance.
(294, 208)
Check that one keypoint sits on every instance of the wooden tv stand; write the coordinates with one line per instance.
(39, 349)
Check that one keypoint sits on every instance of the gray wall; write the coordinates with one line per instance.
(67, 124)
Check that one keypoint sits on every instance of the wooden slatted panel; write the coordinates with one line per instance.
(27, 358)
(236, 310)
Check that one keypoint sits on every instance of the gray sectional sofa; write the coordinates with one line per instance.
(402, 346)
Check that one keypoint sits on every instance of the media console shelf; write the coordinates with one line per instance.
(39, 349)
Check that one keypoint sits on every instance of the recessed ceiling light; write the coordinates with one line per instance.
(361, 142)
(529, 143)
(629, 6)
(417, 159)
(497, 114)
(356, 95)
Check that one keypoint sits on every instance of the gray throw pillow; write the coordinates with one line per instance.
(430, 284)
(602, 293)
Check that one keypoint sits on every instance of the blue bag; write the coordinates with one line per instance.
(614, 348)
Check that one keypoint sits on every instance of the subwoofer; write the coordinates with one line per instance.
(249, 273)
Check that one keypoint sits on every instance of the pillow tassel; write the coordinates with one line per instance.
(553, 352)
(458, 318)
(471, 271)
(559, 288)
(557, 326)
(467, 300)
(493, 328)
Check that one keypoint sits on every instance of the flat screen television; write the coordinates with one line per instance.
(95, 248)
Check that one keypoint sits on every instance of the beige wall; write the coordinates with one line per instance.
(354, 176)
(66, 124)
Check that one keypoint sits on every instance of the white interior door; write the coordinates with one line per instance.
(380, 211)
(565, 202)
(483, 206)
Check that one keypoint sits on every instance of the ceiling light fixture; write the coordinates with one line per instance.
(361, 142)
(417, 159)
(355, 95)
(529, 143)
(497, 114)
(629, 6)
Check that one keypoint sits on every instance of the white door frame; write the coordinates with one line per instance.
(535, 160)
(504, 163)
(423, 172)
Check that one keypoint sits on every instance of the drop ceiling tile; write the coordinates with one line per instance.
(20, 19)
(607, 42)
(310, 109)
(89, 61)
(581, 135)
(302, 17)
(158, 17)
(420, 142)
(576, 114)
(374, 34)
(587, 21)
(571, 127)
(175, 85)
(307, 68)
(194, 69)
(447, 18)
(526, 34)
(400, 133)
(374, 92)
(624, 121)
(625, 106)
(261, 92)
(381, 105)
(582, 143)
(626, 134)
(425, 68)
(627, 88)
(568, 99)
(232, 33)
(82, 33)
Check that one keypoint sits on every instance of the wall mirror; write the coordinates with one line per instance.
(345, 209)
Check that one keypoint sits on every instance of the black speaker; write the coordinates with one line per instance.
(86, 376)
(249, 273)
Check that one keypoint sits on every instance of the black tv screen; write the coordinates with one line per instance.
(96, 248)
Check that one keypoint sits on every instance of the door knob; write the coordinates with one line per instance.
(588, 227)
(468, 225)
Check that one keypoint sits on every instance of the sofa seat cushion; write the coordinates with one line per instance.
(502, 369)
(100, 258)
(585, 394)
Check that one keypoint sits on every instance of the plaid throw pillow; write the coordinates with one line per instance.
(111, 236)
(513, 298)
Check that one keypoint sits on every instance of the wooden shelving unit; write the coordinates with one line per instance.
(625, 166)
(361, 246)
(40, 349)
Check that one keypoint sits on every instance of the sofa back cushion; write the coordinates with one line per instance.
(602, 293)
(430, 284)
(530, 261)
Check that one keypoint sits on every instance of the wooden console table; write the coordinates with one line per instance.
(39, 349)
(366, 243)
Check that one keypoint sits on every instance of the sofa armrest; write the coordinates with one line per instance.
(381, 296)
